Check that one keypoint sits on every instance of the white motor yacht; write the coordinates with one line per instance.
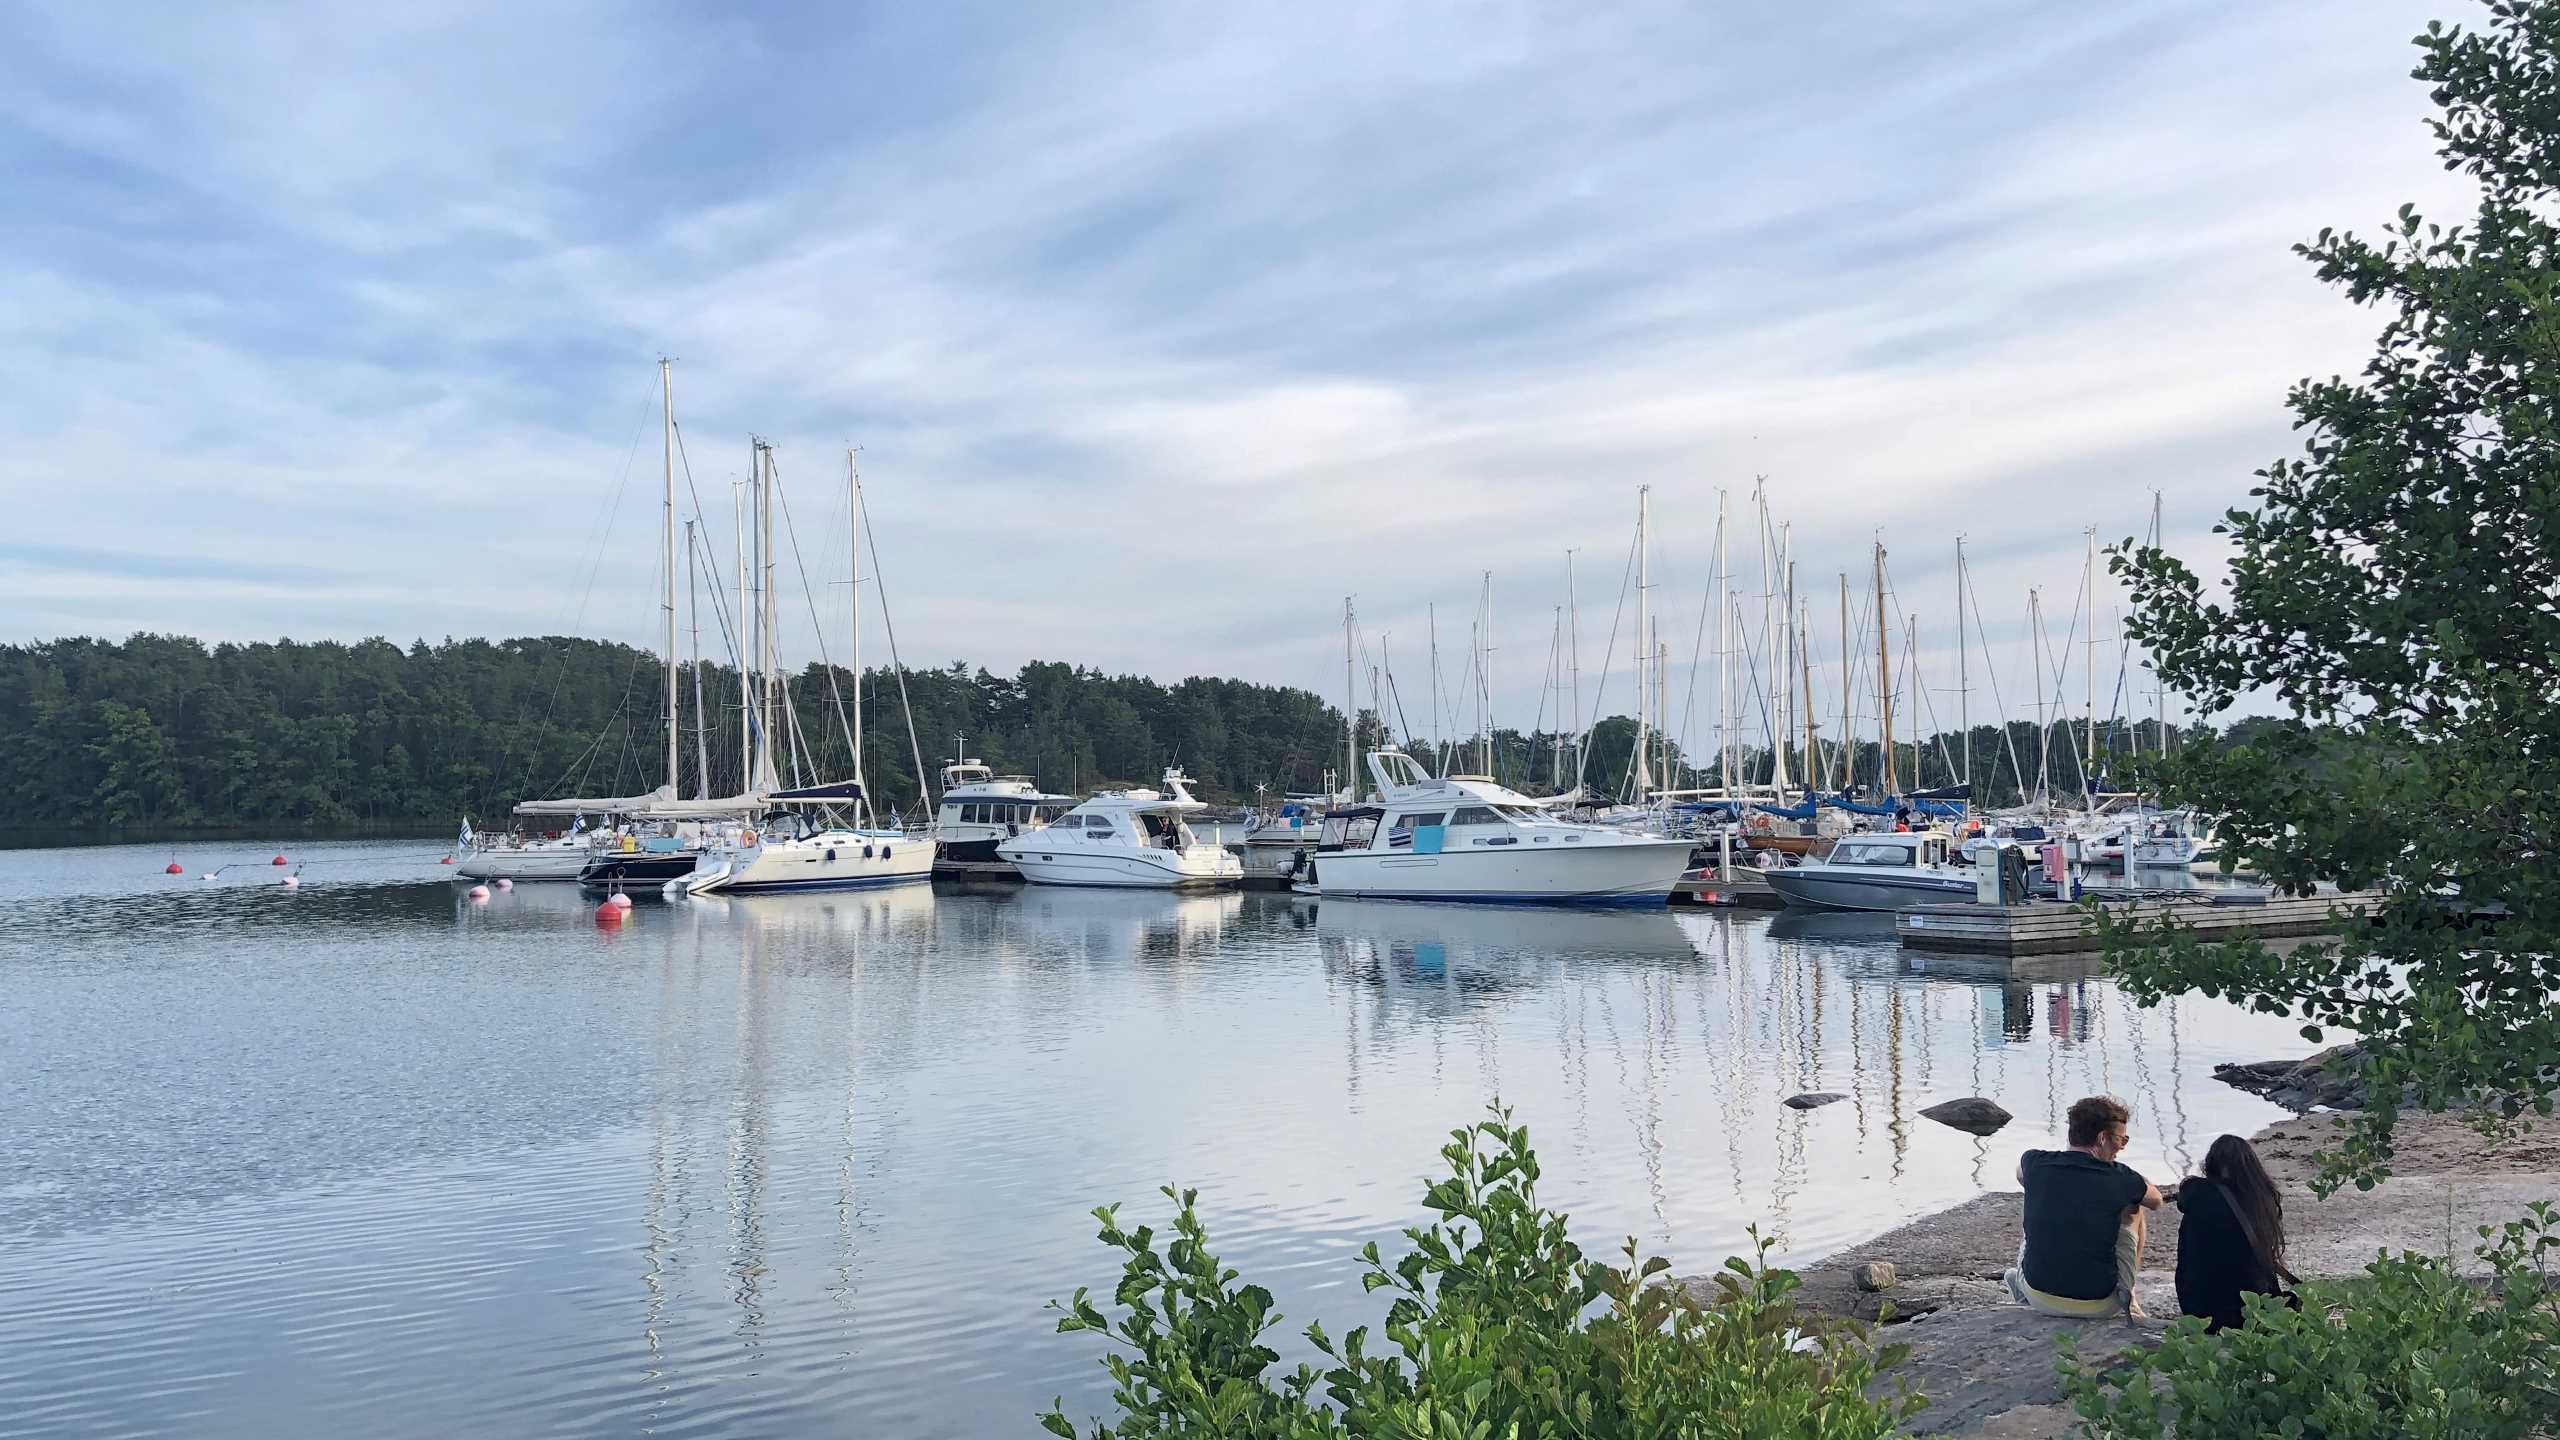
(1468, 838)
(1125, 837)
(1884, 871)
(981, 810)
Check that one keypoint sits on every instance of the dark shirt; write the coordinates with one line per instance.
(2216, 1262)
(2075, 1206)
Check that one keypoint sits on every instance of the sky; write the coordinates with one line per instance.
(1163, 328)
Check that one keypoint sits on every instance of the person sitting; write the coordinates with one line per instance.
(2231, 1236)
(2085, 1218)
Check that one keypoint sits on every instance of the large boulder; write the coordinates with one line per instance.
(2333, 1078)
(1972, 1114)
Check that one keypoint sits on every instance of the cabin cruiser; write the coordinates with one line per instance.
(1125, 837)
(980, 810)
(791, 851)
(1276, 841)
(1469, 838)
(1879, 871)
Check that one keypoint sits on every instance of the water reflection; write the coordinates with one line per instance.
(423, 1165)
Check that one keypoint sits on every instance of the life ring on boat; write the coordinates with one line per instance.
(1758, 824)
(747, 837)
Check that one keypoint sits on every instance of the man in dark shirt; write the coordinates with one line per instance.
(2085, 1220)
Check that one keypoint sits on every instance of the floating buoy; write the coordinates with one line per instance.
(293, 882)
(608, 913)
(619, 901)
(446, 860)
(175, 869)
(208, 875)
(506, 884)
(277, 861)
(479, 892)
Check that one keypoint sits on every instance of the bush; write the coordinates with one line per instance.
(2409, 1351)
(1499, 1327)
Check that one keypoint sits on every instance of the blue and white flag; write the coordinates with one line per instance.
(465, 842)
(577, 825)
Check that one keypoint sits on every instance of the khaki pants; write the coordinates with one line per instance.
(2129, 1240)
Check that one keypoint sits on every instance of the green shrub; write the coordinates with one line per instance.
(2409, 1351)
(1499, 1327)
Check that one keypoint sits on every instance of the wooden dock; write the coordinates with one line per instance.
(2051, 928)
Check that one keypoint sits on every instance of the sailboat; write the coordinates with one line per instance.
(805, 842)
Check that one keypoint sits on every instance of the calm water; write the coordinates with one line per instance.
(371, 1157)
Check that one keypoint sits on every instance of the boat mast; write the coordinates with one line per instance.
(1804, 662)
(1641, 780)
(2089, 608)
(1848, 736)
(1884, 674)
(1964, 681)
(1573, 654)
(853, 536)
(2044, 731)
(1439, 748)
(701, 719)
(738, 496)
(769, 611)
(1484, 672)
(667, 558)
(2159, 687)
(1781, 694)
(1724, 652)
(1350, 711)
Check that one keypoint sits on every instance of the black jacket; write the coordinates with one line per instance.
(2216, 1262)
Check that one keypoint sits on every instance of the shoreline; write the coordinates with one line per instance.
(1986, 1363)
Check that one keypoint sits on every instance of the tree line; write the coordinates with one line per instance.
(162, 731)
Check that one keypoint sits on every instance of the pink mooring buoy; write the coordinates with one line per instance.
(479, 892)
(293, 882)
(506, 884)
(620, 901)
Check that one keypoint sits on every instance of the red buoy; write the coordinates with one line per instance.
(446, 860)
(175, 869)
(277, 861)
(608, 914)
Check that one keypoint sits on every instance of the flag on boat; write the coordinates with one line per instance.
(464, 843)
(577, 825)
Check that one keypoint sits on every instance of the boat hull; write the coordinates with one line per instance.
(527, 864)
(1824, 890)
(1627, 872)
(823, 863)
(635, 870)
(1124, 868)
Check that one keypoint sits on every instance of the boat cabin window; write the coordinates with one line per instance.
(1476, 815)
(1096, 825)
(1068, 822)
(1354, 832)
(1400, 769)
(1869, 852)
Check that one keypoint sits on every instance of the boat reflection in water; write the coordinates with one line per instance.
(1440, 956)
(1113, 923)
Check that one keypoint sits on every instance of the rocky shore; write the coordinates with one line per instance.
(1987, 1365)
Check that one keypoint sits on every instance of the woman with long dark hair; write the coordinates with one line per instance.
(2230, 1234)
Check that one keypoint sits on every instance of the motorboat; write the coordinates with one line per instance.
(1470, 838)
(1125, 837)
(1879, 871)
(642, 857)
(980, 810)
(789, 852)
(1276, 841)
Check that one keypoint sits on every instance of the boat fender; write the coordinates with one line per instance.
(866, 852)
(884, 852)
(747, 839)
(831, 854)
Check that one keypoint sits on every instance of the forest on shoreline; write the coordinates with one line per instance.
(166, 733)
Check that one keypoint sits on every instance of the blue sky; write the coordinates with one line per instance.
(1161, 327)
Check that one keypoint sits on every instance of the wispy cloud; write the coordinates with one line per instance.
(1159, 330)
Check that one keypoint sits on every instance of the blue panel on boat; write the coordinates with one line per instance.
(1427, 838)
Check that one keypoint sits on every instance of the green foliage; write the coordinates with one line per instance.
(2408, 1351)
(2398, 587)
(1498, 1325)
(162, 731)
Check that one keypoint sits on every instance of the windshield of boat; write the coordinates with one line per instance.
(1870, 852)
